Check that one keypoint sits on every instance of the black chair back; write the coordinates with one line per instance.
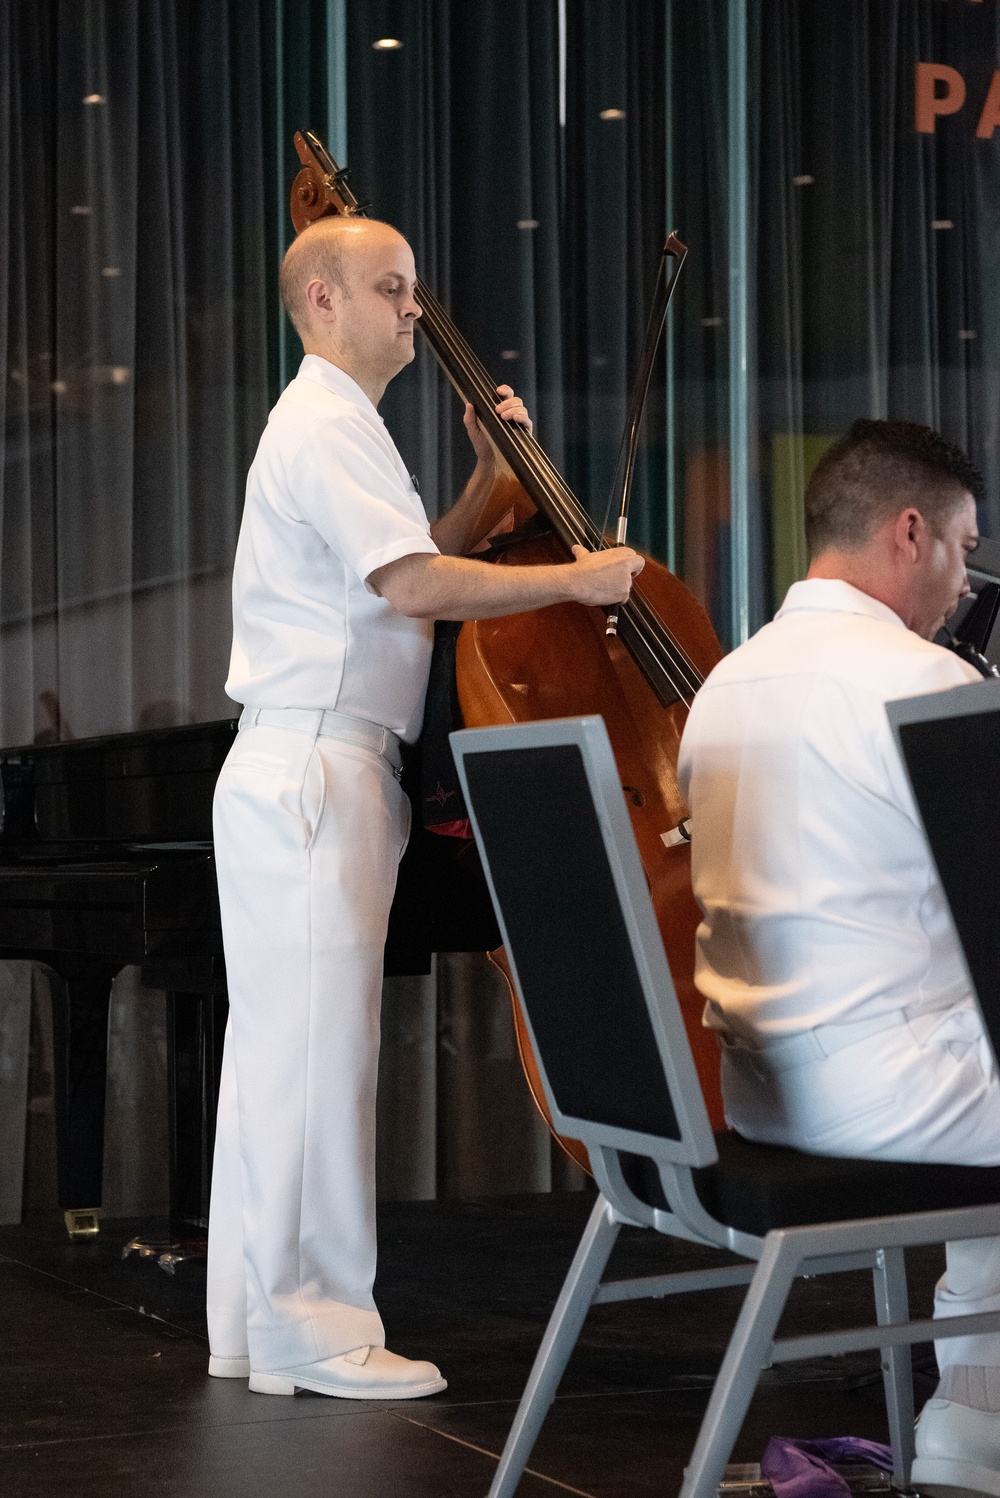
(950, 746)
(571, 899)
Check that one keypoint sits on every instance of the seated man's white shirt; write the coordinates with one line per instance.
(821, 904)
(824, 921)
(328, 501)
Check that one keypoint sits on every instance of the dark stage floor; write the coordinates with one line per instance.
(103, 1388)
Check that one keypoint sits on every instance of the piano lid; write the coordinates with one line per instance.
(124, 788)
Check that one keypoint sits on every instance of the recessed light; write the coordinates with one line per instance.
(387, 44)
(942, 223)
(94, 99)
(82, 210)
(527, 223)
(510, 353)
(967, 334)
(711, 322)
(803, 181)
(111, 271)
(612, 114)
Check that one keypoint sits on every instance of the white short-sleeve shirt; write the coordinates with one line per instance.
(820, 900)
(328, 501)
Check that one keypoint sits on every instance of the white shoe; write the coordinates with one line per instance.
(365, 1373)
(957, 1448)
(238, 1367)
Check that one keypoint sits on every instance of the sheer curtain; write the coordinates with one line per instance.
(524, 157)
(454, 138)
(136, 322)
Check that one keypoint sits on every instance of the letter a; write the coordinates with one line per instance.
(929, 103)
(990, 117)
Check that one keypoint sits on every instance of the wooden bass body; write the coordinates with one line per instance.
(558, 662)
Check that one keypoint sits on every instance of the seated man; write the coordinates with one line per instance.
(827, 956)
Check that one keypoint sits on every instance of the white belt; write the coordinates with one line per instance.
(824, 1040)
(324, 723)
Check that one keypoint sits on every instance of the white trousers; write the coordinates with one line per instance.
(923, 1089)
(309, 830)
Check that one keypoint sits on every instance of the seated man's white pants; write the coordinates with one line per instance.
(925, 1089)
(309, 831)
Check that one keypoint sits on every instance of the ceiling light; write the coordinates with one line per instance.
(82, 210)
(111, 271)
(803, 181)
(612, 114)
(527, 223)
(967, 334)
(94, 99)
(942, 223)
(510, 353)
(387, 44)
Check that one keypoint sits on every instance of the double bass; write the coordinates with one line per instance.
(639, 669)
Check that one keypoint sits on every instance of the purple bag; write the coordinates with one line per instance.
(801, 1469)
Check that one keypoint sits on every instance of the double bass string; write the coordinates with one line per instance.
(574, 520)
(656, 639)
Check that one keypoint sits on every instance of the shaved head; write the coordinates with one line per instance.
(349, 285)
(328, 251)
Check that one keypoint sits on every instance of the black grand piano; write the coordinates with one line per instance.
(106, 861)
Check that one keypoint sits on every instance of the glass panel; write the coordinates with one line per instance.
(700, 403)
(136, 357)
(876, 254)
(148, 152)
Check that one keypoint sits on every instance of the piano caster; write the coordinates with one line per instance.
(82, 1222)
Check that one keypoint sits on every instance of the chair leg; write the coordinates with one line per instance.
(892, 1303)
(747, 1353)
(560, 1338)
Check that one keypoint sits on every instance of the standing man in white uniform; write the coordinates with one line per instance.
(827, 955)
(338, 576)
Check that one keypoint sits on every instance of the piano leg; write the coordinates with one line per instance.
(196, 1027)
(81, 997)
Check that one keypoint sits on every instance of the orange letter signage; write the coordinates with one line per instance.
(930, 103)
(990, 117)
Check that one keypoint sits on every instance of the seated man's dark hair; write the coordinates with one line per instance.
(877, 469)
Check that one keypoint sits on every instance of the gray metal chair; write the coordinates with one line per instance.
(571, 898)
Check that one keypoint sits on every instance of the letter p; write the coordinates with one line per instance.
(929, 102)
